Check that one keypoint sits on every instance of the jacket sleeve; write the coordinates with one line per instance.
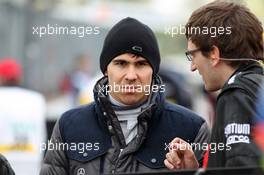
(200, 142)
(5, 168)
(55, 161)
(238, 110)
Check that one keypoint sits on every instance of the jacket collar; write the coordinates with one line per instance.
(106, 115)
(254, 68)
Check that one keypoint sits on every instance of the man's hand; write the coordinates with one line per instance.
(180, 156)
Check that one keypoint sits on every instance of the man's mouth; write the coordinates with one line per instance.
(130, 88)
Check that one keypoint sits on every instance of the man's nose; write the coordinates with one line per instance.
(131, 73)
(193, 67)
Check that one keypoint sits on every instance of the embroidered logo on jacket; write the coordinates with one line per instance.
(237, 133)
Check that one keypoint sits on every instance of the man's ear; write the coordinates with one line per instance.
(215, 55)
(105, 73)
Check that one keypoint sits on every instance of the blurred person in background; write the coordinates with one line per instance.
(22, 120)
(228, 62)
(74, 83)
(125, 130)
(176, 87)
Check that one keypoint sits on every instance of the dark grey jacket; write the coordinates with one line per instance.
(97, 127)
(5, 168)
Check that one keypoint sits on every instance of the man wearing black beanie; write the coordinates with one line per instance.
(129, 126)
(130, 36)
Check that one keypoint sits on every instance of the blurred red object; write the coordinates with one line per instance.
(10, 69)
(259, 135)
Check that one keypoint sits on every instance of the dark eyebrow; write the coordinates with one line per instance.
(142, 61)
(119, 60)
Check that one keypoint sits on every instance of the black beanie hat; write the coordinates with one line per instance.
(130, 36)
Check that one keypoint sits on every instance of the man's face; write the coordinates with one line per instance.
(130, 75)
(204, 67)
